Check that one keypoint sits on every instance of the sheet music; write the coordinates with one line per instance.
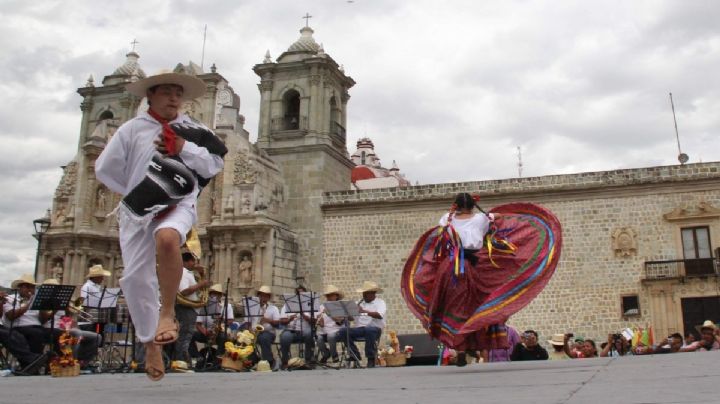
(342, 308)
(252, 307)
(108, 301)
(304, 302)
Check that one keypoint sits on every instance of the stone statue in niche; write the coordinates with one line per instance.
(101, 200)
(57, 271)
(245, 273)
(246, 205)
(230, 205)
(624, 242)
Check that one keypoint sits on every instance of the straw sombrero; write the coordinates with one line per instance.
(369, 286)
(25, 278)
(265, 289)
(216, 288)
(97, 270)
(192, 86)
(330, 289)
(51, 281)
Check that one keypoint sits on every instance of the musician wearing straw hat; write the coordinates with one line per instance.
(94, 283)
(19, 317)
(158, 161)
(17, 344)
(207, 325)
(187, 316)
(328, 327)
(270, 321)
(369, 324)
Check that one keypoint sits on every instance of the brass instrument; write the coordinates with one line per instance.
(75, 308)
(192, 244)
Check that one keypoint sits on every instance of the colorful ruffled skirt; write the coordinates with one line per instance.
(463, 297)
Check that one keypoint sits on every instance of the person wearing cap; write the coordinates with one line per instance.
(297, 329)
(369, 324)
(328, 327)
(158, 161)
(17, 344)
(18, 316)
(269, 318)
(709, 338)
(206, 323)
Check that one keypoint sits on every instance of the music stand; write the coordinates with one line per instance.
(302, 303)
(346, 309)
(211, 309)
(53, 298)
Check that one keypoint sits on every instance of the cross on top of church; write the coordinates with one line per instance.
(133, 43)
(307, 18)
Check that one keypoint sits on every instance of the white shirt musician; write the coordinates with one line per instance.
(369, 324)
(270, 320)
(328, 327)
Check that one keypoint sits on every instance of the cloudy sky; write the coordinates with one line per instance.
(447, 89)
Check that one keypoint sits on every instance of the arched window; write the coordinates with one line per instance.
(291, 106)
(106, 115)
(362, 158)
(334, 111)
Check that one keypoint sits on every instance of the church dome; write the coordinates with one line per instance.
(131, 67)
(306, 43)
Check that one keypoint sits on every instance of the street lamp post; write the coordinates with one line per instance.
(41, 226)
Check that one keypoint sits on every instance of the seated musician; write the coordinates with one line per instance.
(93, 288)
(86, 350)
(207, 327)
(17, 344)
(270, 320)
(297, 329)
(19, 317)
(368, 325)
(328, 327)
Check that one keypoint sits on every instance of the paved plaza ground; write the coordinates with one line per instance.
(675, 378)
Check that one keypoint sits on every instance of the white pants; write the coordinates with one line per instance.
(139, 281)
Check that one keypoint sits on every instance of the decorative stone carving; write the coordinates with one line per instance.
(57, 271)
(230, 205)
(190, 108)
(703, 210)
(244, 171)
(246, 204)
(58, 218)
(67, 182)
(245, 270)
(624, 242)
(101, 199)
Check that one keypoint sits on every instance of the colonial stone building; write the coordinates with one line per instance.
(639, 244)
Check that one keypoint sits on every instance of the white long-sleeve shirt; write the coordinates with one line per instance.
(123, 163)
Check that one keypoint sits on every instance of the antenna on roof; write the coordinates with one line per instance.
(202, 58)
(682, 157)
(519, 163)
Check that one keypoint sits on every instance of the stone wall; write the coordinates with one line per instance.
(368, 234)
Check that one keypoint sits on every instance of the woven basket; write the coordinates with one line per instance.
(396, 359)
(67, 371)
(229, 364)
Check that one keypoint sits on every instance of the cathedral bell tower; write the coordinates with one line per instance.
(303, 116)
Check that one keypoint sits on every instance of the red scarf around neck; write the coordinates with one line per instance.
(169, 135)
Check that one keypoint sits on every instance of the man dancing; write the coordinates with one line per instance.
(158, 161)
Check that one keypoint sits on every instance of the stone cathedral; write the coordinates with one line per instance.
(259, 220)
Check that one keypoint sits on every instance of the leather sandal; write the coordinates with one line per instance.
(175, 328)
(155, 369)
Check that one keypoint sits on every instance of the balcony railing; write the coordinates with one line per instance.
(682, 268)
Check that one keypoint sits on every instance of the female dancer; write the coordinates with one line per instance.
(465, 278)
